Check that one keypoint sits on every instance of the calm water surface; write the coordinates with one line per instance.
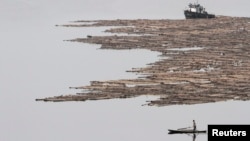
(35, 62)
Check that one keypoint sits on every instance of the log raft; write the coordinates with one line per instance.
(203, 60)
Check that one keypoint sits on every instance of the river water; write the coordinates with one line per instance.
(35, 62)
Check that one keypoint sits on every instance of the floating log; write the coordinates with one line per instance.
(219, 71)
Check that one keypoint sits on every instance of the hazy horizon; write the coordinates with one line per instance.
(114, 9)
(35, 62)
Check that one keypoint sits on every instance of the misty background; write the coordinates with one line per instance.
(35, 62)
(114, 9)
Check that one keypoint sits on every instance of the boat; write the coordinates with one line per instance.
(196, 11)
(187, 131)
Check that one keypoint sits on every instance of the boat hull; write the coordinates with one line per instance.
(185, 131)
(194, 15)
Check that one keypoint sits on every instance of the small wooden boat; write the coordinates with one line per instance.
(189, 131)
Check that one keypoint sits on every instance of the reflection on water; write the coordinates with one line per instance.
(193, 136)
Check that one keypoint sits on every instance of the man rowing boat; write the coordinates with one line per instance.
(194, 125)
(187, 130)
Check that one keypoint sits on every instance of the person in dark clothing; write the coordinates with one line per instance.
(194, 125)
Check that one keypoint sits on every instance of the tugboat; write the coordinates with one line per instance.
(196, 11)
